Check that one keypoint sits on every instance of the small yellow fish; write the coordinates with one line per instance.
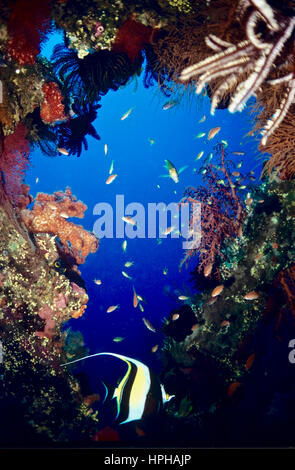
(97, 282)
(200, 135)
(112, 308)
(183, 297)
(126, 275)
(165, 271)
(213, 132)
(173, 173)
(126, 114)
(105, 149)
(63, 151)
(129, 263)
(124, 245)
(200, 154)
(118, 339)
(148, 325)
(111, 179)
(111, 168)
(140, 298)
(141, 307)
(129, 220)
(151, 141)
(37, 179)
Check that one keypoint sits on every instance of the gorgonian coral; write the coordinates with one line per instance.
(264, 55)
(14, 162)
(131, 38)
(27, 26)
(222, 211)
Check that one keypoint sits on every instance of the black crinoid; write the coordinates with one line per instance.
(91, 77)
(71, 135)
(40, 134)
(154, 73)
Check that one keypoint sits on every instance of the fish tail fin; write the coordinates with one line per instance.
(106, 392)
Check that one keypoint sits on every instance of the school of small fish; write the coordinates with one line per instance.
(174, 174)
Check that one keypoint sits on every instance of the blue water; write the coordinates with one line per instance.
(139, 166)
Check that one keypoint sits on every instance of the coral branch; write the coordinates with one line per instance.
(222, 211)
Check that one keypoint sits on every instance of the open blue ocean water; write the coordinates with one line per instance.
(139, 164)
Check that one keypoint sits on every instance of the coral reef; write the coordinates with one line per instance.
(39, 401)
(49, 215)
(236, 329)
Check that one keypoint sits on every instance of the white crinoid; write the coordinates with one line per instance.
(253, 57)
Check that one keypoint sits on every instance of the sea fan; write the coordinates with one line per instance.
(27, 27)
(154, 73)
(14, 162)
(131, 38)
(91, 77)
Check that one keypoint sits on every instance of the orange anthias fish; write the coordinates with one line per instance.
(233, 387)
(213, 132)
(129, 220)
(253, 295)
(126, 114)
(135, 298)
(112, 308)
(168, 230)
(250, 361)
(111, 179)
(208, 269)
(217, 290)
(63, 151)
(148, 325)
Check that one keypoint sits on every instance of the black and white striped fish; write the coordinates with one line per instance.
(139, 394)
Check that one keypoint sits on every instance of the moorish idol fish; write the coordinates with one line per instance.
(139, 393)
